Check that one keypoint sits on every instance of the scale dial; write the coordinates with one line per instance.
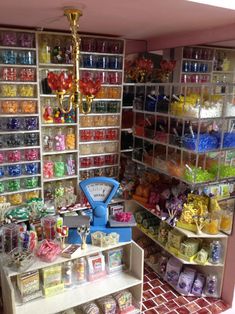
(99, 191)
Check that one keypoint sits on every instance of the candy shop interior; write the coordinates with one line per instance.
(117, 157)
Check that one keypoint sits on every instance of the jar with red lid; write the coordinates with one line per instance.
(111, 134)
(14, 156)
(86, 135)
(86, 162)
(99, 135)
(99, 161)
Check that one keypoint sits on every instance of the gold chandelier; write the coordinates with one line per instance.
(64, 84)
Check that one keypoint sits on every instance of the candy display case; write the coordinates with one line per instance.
(195, 148)
(51, 280)
(93, 142)
(19, 131)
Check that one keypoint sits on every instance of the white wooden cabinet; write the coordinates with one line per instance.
(131, 279)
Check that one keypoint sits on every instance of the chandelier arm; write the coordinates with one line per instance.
(89, 100)
(60, 98)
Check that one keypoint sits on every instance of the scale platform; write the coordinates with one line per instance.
(99, 191)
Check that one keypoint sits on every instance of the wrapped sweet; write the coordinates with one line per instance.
(173, 270)
(198, 285)
(211, 289)
(90, 308)
(107, 305)
(197, 175)
(123, 299)
(186, 280)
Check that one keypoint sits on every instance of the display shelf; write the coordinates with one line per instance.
(18, 82)
(18, 65)
(99, 127)
(131, 279)
(96, 167)
(19, 98)
(19, 131)
(78, 295)
(19, 115)
(54, 65)
(21, 148)
(57, 124)
(60, 178)
(101, 69)
(68, 151)
(94, 155)
(101, 53)
(21, 191)
(96, 142)
(18, 48)
(129, 130)
(154, 268)
(6, 178)
(144, 231)
(20, 162)
(187, 233)
(127, 150)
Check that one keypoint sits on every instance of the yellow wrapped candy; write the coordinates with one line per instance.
(70, 139)
(31, 194)
(26, 91)
(3, 199)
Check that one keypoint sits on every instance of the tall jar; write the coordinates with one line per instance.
(70, 139)
(59, 140)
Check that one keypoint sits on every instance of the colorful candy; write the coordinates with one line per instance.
(31, 154)
(28, 106)
(31, 168)
(26, 91)
(71, 165)
(31, 183)
(16, 199)
(14, 170)
(9, 106)
(70, 139)
(9, 91)
(59, 168)
(9, 74)
(60, 141)
(48, 169)
(14, 156)
(13, 185)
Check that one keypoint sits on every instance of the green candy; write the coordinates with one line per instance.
(59, 168)
(13, 185)
(31, 183)
(198, 175)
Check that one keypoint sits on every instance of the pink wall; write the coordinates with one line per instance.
(228, 293)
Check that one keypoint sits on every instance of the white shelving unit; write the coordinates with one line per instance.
(130, 279)
(18, 67)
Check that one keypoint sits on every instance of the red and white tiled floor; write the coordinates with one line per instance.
(160, 298)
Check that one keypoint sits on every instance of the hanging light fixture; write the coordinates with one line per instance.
(69, 84)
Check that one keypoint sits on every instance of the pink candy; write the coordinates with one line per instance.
(123, 217)
(31, 154)
(48, 169)
(1, 158)
(60, 142)
(14, 156)
(48, 251)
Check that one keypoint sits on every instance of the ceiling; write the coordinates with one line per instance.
(160, 23)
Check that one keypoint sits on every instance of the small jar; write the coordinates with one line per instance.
(211, 288)
(99, 120)
(28, 106)
(99, 161)
(31, 123)
(86, 162)
(112, 120)
(111, 147)
(86, 121)
(9, 56)
(26, 40)
(27, 75)
(14, 170)
(2, 171)
(71, 165)
(99, 135)
(111, 134)
(48, 141)
(67, 274)
(59, 168)
(110, 159)
(215, 254)
(113, 107)
(59, 190)
(9, 38)
(98, 148)
(100, 107)
(10, 106)
(8, 74)
(26, 91)
(16, 199)
(14, 124)
(31, 139)
(226, 221)
(31, 194)
(31, 154)
(85, 149)
(48, 169)
(13, 185)
(13, 156)
(59, 141)
(70, 139)
(2, 157)
(212, 225)
(48, 192)
(79, 270)
(86, 135)
(31, 183)
(31, 168)
(9, 91)
(2, 187)
(14, 140)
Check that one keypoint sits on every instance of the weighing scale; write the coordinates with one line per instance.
(99, 191)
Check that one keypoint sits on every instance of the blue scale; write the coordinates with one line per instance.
(99, 192)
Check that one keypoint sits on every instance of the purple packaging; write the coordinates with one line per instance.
(198, 285)
(186, 280)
